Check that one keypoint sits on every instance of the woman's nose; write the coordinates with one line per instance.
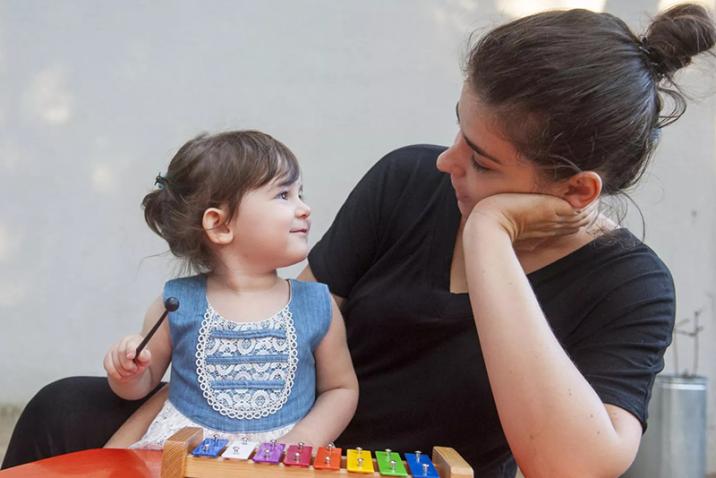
(449, 160)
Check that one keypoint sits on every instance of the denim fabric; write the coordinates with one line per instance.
(245, 377)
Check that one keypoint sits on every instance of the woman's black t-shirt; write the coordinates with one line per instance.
(414, 344)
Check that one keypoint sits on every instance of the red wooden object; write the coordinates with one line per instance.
(98, 463)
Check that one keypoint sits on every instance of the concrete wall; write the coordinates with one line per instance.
(96, 96)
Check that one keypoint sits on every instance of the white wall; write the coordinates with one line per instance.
(96, 96)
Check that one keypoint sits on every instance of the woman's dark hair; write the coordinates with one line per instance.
(212, 171)
(577, 90)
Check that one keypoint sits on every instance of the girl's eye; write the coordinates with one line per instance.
(282, 195)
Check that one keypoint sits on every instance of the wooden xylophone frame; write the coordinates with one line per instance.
(177, 462)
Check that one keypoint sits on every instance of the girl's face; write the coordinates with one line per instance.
(481, 162)
(272, 225)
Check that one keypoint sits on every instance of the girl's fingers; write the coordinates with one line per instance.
(119, 361)
(126, 347)
(126, 365)
(123, 360)
(109, 366)
(117, 367)
(144, 357)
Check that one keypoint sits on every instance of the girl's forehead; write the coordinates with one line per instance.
(285, 180)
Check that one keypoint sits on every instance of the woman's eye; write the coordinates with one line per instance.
(477, 166)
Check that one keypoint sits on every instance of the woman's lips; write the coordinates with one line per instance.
(458, 195)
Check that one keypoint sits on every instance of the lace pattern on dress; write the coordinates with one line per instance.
(170, 420)
(246, 370)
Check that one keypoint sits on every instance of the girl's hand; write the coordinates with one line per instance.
(119, 361)
(294, 438)
(529, 218)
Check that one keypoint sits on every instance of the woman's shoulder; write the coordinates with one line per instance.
(616, 279)
(414, 162)
(410, 158)
(622, 243)
(408, 169)
(617, 255)
(415, 152)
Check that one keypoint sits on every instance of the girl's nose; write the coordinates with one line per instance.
(303, 210)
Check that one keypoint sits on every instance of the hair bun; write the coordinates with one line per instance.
(678, 34)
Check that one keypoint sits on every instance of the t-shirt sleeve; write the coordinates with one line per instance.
(349, 247)
(621, 357)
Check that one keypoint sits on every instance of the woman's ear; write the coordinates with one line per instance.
(582, 189)
(216, 226)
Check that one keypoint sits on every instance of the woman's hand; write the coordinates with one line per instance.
(529, 219)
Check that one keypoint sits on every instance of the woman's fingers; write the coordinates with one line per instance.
(532, 216)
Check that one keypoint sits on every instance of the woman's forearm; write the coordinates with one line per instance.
(554, 421)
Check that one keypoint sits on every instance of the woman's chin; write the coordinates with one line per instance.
(465, 208)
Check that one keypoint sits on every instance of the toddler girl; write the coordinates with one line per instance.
(253, 355)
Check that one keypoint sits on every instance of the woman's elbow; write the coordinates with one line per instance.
(612, 461)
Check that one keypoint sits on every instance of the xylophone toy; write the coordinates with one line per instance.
(188, 455)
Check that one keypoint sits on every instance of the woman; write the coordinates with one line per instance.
(488, 305)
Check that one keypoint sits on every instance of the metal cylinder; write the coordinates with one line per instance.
(674, 444)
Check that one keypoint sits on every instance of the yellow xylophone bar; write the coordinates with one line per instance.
(177, 462)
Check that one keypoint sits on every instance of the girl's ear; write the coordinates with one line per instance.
(582, 189)
(216, 226)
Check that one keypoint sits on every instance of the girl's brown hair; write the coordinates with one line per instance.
(577, 90)
(212, 171)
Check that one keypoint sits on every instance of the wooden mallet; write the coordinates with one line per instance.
(170, 305)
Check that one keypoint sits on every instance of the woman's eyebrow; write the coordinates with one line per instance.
(472, 145)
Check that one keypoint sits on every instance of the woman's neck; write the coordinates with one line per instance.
(539, 253)
(536, 254)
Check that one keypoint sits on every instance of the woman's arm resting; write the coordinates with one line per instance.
(554, 421)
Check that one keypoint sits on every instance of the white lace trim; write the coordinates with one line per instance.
(170, 420)
(273, 338)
